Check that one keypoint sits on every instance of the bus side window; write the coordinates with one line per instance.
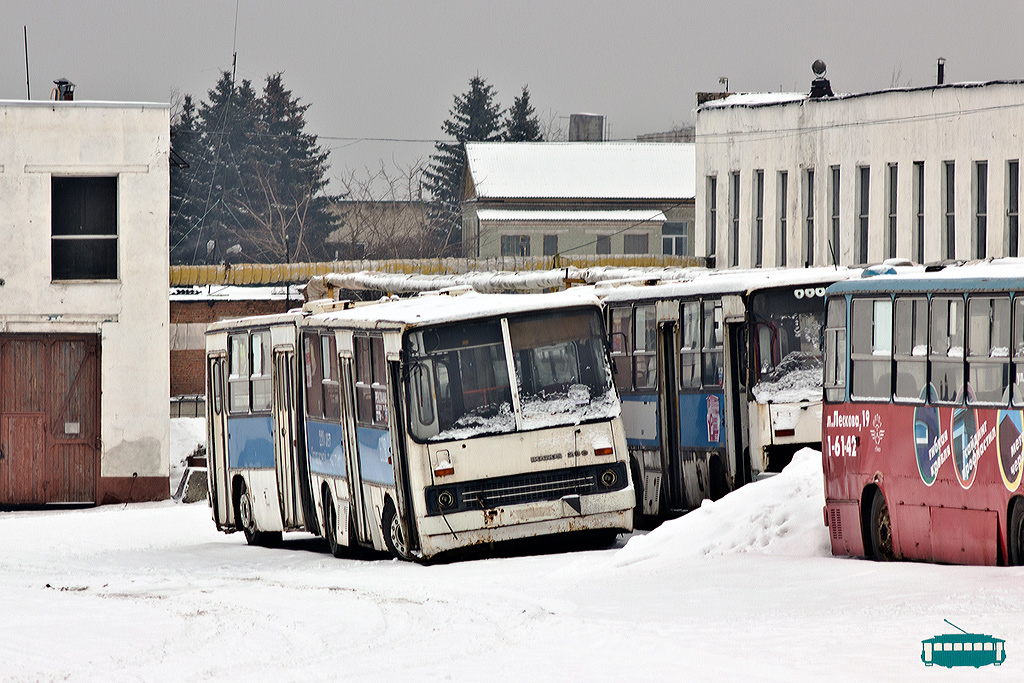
(911, 348)
(713, 370)
(364, 380)
(871, 372)
(261, 388)
(380, 383)
(329, 382)
(988, 350)
(1018, 351)
(835, 350)
(621, 344)
(216, 387)
(645, 358)
(946, 352)
(238, 373)
(689, 342)
(314, 377)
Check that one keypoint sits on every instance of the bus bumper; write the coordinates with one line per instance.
(571, 513)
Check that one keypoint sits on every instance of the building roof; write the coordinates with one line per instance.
(545, 215)
(767, 99)
(581, 170)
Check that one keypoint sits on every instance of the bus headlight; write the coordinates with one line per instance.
(445, 499)
(609, 478)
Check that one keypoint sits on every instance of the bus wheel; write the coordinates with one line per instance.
(881, 530)
(393, 535)
(331, 526)
(1016, 534)
(247, 520)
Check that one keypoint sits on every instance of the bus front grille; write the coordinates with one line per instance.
(483, 494)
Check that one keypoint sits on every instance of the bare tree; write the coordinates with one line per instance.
(382, 214)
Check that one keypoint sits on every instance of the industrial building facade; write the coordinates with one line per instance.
(925, 174)
(83, 302)
(526, 199)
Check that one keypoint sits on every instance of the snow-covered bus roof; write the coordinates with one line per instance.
(995, 275)
(724, 282)
(430, 308)
(441, 307)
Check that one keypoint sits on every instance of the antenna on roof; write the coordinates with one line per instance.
(832, 251)
(28, 88)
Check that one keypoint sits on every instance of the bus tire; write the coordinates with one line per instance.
(1015, 534)
(394, 537)
(247, 521)
(331, 526)
(881, 530)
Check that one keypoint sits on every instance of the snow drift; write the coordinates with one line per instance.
(780, 515)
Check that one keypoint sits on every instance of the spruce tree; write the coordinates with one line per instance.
(474, 117)
(186, 159)
(257, 179)
(521, 122)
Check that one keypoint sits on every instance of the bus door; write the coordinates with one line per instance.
(374, 440)
(738, 456)
(357, 499)
(288, 481)
(668, 391)
(217, 430)
(401, 456)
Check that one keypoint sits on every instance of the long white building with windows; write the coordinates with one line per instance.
(927, 174)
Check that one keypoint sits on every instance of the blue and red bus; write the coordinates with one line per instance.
(923, 425)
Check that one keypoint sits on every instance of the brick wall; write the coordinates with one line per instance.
(188, 320)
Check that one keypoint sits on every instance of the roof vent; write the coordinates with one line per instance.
(65, 90)
(820, 87)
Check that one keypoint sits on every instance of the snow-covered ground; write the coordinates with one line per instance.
(741, 589)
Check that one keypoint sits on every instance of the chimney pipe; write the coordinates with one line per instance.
(940, 76)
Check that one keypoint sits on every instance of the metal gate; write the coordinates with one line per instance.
(49, 418)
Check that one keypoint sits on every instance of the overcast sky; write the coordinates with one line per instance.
(389, 70)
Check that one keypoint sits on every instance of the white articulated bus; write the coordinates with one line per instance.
(417, 425)
(720, 377)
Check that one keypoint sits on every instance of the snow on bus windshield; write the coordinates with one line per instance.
(458, 384)
(786, 354)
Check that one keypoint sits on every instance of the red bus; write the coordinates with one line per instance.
(922, 428)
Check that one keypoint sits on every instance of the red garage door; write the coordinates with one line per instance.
(49, 418)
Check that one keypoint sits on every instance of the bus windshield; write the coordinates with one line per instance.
(786, 358)
(458, 381)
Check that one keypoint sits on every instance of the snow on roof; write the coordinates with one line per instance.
(725, 281)
(1000, 274)
(435, 308)
(582, 170)
(622, 215)
(762, 99)
(755, 99)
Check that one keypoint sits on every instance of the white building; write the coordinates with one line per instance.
(84, 370)
(926, 174)
(576, 198)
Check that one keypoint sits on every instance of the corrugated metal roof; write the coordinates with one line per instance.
(622, 215)
(582, 170)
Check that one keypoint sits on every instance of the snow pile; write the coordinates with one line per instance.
(187, 434)
(780, 515)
